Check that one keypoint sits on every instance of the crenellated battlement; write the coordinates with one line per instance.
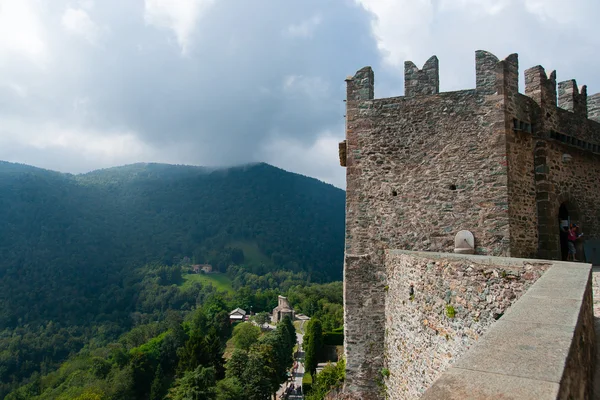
(492, 76)
(422, 81)
(541, 87)
(486, 65)
(593, 107)
(572, 98)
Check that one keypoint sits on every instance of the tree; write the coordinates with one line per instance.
(288, 327)
(91, 394)
(237, 363)
(273, 348)
(157, 390)
(198, 384)
(258, 377)
(245, 335)
(230, 389)
(143, 373)
(193, 353)
(330, 378)
(122, 384)
(313, 344)
(262, 318)
(243, 297)
(100, 367)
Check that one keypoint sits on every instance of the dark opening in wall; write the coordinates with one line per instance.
(452, 187)
(394, 193)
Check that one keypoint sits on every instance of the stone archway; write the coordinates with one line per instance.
(567, 213)
(550, 208)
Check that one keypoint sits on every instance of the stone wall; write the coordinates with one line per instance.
(542, 348)
(364, 318)
(575, 182)
(419, 169)
(522, 201)
(520, 117)
(455, 299)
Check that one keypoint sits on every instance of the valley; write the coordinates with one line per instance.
(94, 270)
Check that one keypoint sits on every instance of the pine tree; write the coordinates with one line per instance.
(158, 384)
(313, 345)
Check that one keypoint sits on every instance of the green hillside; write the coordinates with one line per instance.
(221, 282)
(69, 243)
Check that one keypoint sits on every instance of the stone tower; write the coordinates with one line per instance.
(421, 167)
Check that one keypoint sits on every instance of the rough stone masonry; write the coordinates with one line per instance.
(421, 167)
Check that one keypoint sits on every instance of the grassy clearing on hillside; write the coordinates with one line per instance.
(252, 253)
(219, 281)
(230, 347)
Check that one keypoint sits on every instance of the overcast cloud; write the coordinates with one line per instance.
(90, 84)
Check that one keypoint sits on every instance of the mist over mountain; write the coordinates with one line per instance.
(64, 238)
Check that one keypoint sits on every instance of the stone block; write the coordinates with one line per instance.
(526, 350)
(544, 310)
(563, 281)
(464, 384)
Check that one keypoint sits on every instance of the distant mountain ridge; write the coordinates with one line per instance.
(65, 238)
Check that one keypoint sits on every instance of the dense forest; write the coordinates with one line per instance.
(177, 348)
(71, 247)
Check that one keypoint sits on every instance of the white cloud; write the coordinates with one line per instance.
(399, 26)
(250, 69)
(312, 87)
(319, 159)
(453, 29)
(490, 7)
(108, 146)
(17, 89)
(306, 28)
(21, 30)
(78, 22)
(559, 11)
(86, 4)
(181, 16)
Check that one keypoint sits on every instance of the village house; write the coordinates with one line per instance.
(206, 268)
(237, 315)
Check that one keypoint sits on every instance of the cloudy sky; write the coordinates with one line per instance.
(87, 84)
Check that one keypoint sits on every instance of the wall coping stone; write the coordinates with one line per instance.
(481, 259)
(524, 355)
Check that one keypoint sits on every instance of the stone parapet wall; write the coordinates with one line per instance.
(542, 348)
(455, 299)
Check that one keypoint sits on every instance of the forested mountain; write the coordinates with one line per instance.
(69, 243)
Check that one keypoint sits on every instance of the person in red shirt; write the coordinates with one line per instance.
(571, 238)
